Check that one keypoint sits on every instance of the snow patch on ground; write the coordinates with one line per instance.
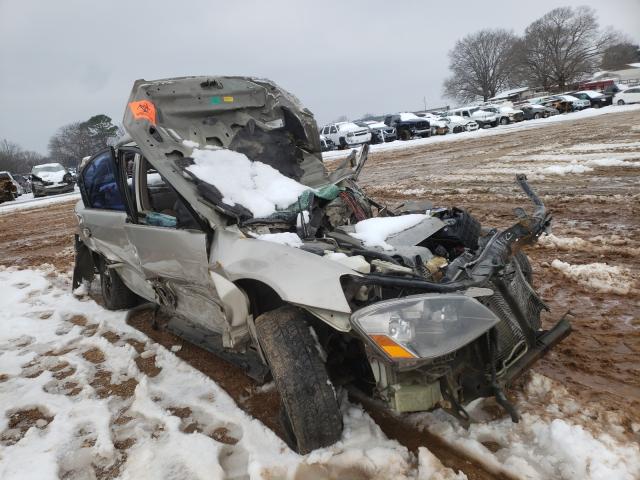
(599, 277)
(564, 169)
(542, 445)
(374, 231)
(255, 185)
(76, 400)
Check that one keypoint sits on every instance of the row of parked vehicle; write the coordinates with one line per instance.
(409, 125)
(45, 179)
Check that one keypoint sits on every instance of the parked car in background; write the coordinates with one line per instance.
(578, 103)
(483, 118)
(555, 102)
(408, 125)
(380, 132)
(346, 134)
(612, 89)
(505, 113)
(630, 95)
(8, 190)
(18, 190)
(533, 112)
(458, 124)
(51, 179)
(438, 125)
(596, 99)
(24, 182)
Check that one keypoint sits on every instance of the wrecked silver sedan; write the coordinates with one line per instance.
(217, 209)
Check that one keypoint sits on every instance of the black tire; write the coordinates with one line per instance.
(115, 293)
(597, 105)
(504, 121)
(311, 413)
(536, 116)
(620, 102)
(405, 135)
(342, 143)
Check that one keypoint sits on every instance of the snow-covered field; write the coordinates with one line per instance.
(82, 394)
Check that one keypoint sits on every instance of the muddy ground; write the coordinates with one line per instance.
(598, 363)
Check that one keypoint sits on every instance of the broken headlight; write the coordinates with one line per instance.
(424, 326)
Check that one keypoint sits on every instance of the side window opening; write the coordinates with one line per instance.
(159, 204)
(100, 185)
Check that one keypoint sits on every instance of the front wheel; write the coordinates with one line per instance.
(620, 102)
(311, 414)
(504, 121)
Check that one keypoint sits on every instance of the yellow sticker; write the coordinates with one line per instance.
(227, 99)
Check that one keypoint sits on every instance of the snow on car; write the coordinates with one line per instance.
(459, 124)
(346, 134)
(51, 179)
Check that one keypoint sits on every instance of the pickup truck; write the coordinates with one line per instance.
(409, 125)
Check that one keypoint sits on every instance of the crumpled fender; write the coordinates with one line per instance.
(298, 277)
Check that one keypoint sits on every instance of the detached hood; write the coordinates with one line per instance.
(169, 119)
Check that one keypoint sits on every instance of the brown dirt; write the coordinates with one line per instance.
(94, 355)
(598, 363)
(104, 388)
(148, 366)
(20, 422)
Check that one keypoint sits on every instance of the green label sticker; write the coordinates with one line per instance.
(216, 100)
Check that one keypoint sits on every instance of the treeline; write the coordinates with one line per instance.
(67, 146)
(556, 51)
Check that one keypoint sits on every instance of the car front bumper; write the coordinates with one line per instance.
(53, 189)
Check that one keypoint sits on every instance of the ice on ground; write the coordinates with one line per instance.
(599, 277)
(374, 231)
(563, 243)
(93, 409)
(589, 147)
(612, 162)
(285, 238)
(550, 440)
(255, 185)
(564, 169)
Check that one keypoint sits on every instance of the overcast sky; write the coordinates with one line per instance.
(66, 60)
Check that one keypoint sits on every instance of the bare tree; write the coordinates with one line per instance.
(76, 140)
(617, 56)
(563, 46)
(480, 64)
(16, 160)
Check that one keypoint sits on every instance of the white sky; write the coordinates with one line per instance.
(66, 60)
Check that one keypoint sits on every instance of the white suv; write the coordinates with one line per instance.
(346, 134)
(481, 117)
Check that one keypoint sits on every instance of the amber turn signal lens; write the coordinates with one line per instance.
(391, 348)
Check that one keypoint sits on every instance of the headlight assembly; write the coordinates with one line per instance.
(424, 326)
